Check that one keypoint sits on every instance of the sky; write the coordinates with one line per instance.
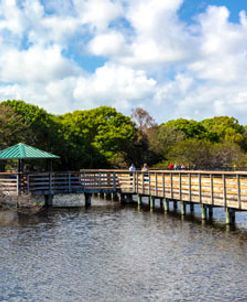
(174, 58)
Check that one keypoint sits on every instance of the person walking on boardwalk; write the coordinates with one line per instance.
(145, 167)
(145, 176)
(132, 168)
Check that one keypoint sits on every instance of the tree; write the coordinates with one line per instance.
(12, 127)
(164, 139)
(191, 128)
(142, 119)
(192, 152)
(98, 137)
(42, 126)
(227, 129)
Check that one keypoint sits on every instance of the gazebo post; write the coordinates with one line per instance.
(18, 178)
(50, 165)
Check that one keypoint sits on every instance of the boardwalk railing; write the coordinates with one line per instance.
(226, 189)
(9, 183)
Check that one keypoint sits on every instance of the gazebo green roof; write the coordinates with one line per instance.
(22, 151)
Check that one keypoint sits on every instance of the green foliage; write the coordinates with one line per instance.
(227, 129)
(205, 154)
(191, 128)
(12, 127)
(103, 137)
(42, 126)
(101, 134)
(191, 152)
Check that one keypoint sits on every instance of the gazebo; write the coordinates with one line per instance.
(22, 151)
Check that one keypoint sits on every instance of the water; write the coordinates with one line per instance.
(111, 253)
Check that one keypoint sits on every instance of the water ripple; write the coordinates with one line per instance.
(119, 254)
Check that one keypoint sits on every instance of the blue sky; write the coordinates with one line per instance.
(174, 58)
(191, 8)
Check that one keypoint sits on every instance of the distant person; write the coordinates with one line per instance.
(170, 166)
(145, 167)
(183, 167)
(145, 174)
(132, 168)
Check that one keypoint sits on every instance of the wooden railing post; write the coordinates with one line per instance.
(190, 193)
(156, 184)
(212, 188)
(239, 190)
(171, 185)
(149, 183)
(114, 181)
(163, 185)
(180, 186)
(137, 182)
(142, 182)
(69, 184)
(28, 184)
(50, 182)
(200, 187)
(224, 190)
(18, 183)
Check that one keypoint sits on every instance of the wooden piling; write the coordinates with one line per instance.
(203, 212)
(210, 212)
(115, 197)
(108, 196)
(182, 208)
(151, 203)
(166, 204)
(139, 200)
(88, 199)
(230, 216)
(48, 200)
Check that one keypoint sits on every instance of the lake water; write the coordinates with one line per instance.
(115, 253)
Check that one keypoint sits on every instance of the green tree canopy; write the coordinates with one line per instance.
(101, 133)
(12, 127)
(227, 129)
(191, 128)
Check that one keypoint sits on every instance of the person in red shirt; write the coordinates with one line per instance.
(171, 166)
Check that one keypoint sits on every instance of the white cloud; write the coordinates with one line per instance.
(154, 59)
(223, 47)
(108, 44)
(118, 86)
(98, 13)
(35, 65)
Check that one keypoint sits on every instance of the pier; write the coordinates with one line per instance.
(209, 189)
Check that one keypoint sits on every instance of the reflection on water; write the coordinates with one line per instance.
(119, 254)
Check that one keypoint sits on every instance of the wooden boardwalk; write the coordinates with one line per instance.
(207, 188)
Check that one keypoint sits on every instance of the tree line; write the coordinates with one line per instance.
(105, 138)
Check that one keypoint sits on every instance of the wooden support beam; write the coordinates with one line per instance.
(115, 197)
(182, 208)
(88, 199)
(210, 212)
(48, 200)
(203, 212)
(166, 204)
(151, 203)
(230, 216)
(139, 199)
(161, 203)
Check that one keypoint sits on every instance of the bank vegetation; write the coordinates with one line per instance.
(105, 138)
